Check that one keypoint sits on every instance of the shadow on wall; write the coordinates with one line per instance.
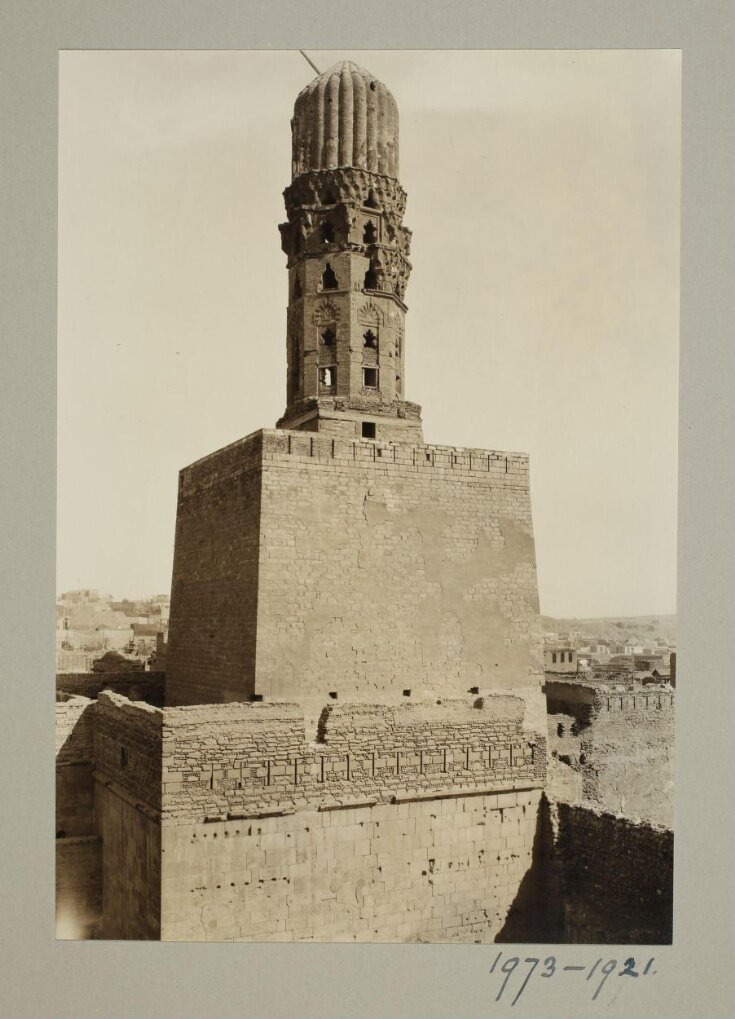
(536, 915)
(595, 878)
(78, 848)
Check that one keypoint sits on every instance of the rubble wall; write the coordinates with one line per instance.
(615, 877)
(136, 686)
(618, 744)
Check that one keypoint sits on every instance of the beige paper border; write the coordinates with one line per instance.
(43, 978)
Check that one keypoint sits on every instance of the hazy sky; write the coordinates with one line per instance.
(543, 193)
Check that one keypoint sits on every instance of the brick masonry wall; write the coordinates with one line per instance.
(307, 565)
(434, 871)
(243, 760)
(615, 877)
(620, 745)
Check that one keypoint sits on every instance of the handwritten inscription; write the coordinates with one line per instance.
(517, 972)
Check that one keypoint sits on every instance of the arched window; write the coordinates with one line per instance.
(329, 280)
(371, 201)
(327, 232)
(369, 339)
(329, 198)
(328, 337)
(371, 280)
(370, 233)
(326, 376)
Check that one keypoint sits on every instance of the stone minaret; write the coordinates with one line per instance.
(348, 263)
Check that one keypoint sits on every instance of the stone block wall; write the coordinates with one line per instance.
(412, 822)
(214, 590)
(127, 756)
(130, 836)
(400, 823)
(343, 567)
(427, 870)
(619, 744)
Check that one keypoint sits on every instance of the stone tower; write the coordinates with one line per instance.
(353, 744)
(338, 556)
(348, 264)
(353, 741)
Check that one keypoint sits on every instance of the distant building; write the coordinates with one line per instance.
(560, 659)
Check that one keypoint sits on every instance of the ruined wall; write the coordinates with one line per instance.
(400, 823)
(615, 877)
(619, 745)
(373, 568)
(136, 686)
(127, 753)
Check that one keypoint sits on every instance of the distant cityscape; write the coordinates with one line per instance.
(97, 632)
(622, 650)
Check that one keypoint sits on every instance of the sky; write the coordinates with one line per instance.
(543, 195)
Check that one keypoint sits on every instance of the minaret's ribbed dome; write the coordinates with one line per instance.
(345, 117)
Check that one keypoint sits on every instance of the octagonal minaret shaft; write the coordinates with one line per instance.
(348, 262)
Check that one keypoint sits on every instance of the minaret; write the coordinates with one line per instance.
(348, 263)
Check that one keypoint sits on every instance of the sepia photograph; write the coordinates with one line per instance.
(368, 382)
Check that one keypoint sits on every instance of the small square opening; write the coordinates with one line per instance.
(327, 376)
(368, 429)
(406, 693)
(333, 694)
(256, 696)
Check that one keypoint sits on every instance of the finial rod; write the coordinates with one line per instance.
(310, 61)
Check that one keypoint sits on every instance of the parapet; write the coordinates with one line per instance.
(272, 445)
(242, 760)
